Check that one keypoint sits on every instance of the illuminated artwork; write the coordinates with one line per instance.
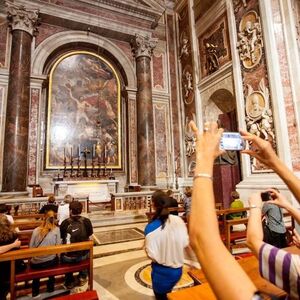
(83, 112)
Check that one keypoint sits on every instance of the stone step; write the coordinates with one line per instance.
(99, 220)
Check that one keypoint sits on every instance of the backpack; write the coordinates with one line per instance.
(76, 231)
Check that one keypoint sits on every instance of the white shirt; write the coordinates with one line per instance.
(9, 218)
(166, 246)
(63, 212)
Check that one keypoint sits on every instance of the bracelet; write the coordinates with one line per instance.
(202, 175)
(254, 206)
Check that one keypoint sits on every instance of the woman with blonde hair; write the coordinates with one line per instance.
(47, 234)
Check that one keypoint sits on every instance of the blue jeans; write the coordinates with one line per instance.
(69, 276)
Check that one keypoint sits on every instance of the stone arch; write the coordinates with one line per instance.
(49, 45)
(224, 100)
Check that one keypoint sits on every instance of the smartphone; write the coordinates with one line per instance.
(266, 196)
(232, 141)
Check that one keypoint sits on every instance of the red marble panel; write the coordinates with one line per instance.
(46, 30)
(218, 35)
(158, 71)
(160, 133)
(125, 47)
(101, 12)
(33, 136)
(132, 141)
(173, 80)
(3, 40)
(286, 84)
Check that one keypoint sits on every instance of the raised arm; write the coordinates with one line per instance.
(281, 201)
(219, 266)
(254, 229)
(263, 151)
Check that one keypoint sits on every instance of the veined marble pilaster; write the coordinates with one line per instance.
(22, 23)
(143, 49)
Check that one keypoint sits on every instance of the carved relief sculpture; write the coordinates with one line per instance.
(187, 81)
(238, 4)
(258, 113)
(212, 62)
(250, 40)
(21, 18)
(184, 46)
(190, 140)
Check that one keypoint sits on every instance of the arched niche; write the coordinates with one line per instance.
(66, 41)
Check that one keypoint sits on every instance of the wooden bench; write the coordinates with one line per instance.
(61, 268)
(232, 236)
(27, 225)
(28, 217)
(88, 295)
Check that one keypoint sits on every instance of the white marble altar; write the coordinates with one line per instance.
(96, 190)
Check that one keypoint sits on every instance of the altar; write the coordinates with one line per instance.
(95, 190)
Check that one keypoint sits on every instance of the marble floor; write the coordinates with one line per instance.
(121, 267)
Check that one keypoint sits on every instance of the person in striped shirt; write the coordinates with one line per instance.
(276, 265)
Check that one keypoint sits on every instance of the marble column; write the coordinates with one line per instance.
(142, 49)
(23, 23)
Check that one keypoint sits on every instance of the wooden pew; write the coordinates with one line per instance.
(61, 268)
(27, 217)
(204, 291)
(232, 236)
(27, 225)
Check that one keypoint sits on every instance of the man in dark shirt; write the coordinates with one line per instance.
(73, 230)
(50, 205)
(172, 202)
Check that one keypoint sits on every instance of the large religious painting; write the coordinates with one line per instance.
(83, 122)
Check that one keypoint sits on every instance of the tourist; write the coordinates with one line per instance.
(63, 211)
(4, 212)
(276, 265)
(47, 234)
(236, 204)
(187, 201)
(165, 240)
(73, 230)
(226, 277)
(50, 205)
(274, 227)
(8, 241)
(173, 202)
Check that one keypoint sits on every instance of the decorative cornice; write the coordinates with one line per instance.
(21, 18)
(143, 45)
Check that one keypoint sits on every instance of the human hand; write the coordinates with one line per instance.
(207, 143)
(296, 238)
(255, 200)
(260, 149)
(17, 243)
(278, 199)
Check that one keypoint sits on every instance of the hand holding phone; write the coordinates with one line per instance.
(266, 196)
(232, 141)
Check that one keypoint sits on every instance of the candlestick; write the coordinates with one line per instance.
(94, 150)
(71, 152)
(78, 150)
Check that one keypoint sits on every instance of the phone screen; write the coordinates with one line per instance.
(232, 141)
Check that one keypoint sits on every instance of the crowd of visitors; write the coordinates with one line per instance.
(168, 238)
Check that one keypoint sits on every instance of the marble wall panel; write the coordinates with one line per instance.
(186, 74)
(254, 73)
(217, 35)
(46, 30)
(3, 40)
(158, 71)
(125, 47)
(286, 84)
(132, 155)
(33, 136)
(161, 141)
(2, 127)
(99, 12)
(173, 85)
